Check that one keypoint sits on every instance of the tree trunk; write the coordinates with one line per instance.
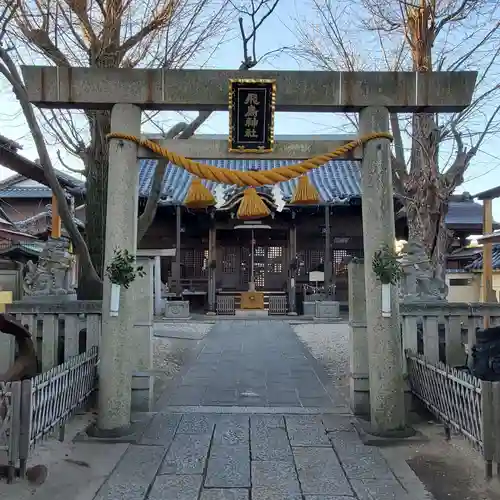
(96, 199)
(88, 289)
(424, 205)
(443, 239)
(426, 214)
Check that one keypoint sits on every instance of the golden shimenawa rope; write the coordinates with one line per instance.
(248, 178)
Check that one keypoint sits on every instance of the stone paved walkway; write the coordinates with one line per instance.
(253, 363)
(235, 427)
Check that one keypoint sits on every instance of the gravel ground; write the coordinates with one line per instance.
(172, 345)
(329, 344)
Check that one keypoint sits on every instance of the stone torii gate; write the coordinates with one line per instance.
(126, 92)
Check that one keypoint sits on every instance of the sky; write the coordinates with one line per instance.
(279, 30)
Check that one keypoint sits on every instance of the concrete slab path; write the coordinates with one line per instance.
(253, 417)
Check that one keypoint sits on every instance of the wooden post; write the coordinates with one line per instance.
(328, 250)
(487, 276)
(176, 274)
(56, 219)
(487, 427)
(292, 273)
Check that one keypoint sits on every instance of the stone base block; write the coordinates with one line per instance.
(177, 309)
(142, 347)
(142, 392)
(359, 392)
(159, 307)
(359, 397)
(327, 310)
(52, 298)
(412, 404)
(390, 438)
(309, 308)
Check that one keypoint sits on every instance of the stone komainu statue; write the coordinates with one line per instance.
(50, 276)
(419, 282)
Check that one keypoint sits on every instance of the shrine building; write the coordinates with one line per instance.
(293, 239)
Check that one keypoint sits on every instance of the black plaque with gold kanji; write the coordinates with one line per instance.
(251, 115)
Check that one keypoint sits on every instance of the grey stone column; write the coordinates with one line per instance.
(328, 251)
(359, 384)
(176, 269)
(115, 375)
(158, 288)
(384, 337)
(212, 256)
(292, 273)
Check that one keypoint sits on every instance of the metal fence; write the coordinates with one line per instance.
(33, 409)
(461, 401)
(451, 395)
(278, 304)
(226, 305)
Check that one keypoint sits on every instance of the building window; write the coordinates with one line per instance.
(275, 260)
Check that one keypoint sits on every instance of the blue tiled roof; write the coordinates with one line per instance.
(335, 181)
(26, 192)
(35, 248)
(477, 265)
(11, 188)
(464, 213)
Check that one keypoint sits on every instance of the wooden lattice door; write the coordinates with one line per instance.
(276, 267)
(235, 263)
(228, 264)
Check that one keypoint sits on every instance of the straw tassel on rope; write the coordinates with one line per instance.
(251, 206)
(198, 195)
(305, 192)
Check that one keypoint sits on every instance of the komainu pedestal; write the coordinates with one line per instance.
(178, 309)
(328, 309)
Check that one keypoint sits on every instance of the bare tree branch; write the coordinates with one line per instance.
(9, 71)
(117, 33)
(184, 131)
(424, 35)
(66, 166)
(147, 217)
(160, 19)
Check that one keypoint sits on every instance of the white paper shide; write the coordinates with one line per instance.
(114, 306)
(386, 300)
